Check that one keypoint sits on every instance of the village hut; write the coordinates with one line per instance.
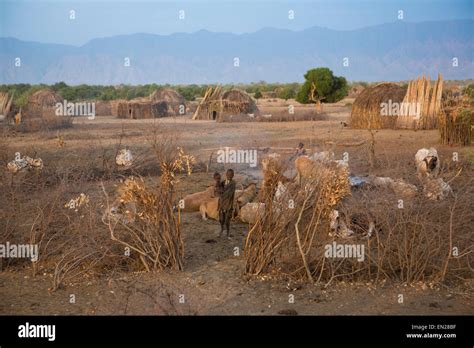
(5, 105)
(142, 108)
(103, 108)
(114, 104)
(422, 104)
(176, 105)
(41, 104)
(222, 106)
(368, 110)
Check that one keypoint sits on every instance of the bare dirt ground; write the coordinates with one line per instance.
(213, 281)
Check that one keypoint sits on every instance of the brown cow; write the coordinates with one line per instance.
(193, 201)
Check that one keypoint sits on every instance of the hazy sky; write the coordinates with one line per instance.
(48, 21)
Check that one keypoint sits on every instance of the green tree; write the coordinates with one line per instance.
(257, 94)
(59, 86)
(321, 85)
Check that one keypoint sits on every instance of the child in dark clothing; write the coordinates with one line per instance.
(225, 191)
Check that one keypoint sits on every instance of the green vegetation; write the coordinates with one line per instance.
(189, 92)
(322, 85)
(469, 90)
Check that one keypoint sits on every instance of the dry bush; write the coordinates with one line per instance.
(410, 244)
(76, 244)
(70, 244)
(285, 233)
(152, 229)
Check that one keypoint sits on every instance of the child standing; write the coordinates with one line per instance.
(226, 192)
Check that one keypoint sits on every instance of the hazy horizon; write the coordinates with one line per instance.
(38, 21)
(237, 34)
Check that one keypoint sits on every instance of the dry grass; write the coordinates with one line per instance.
(75, 243)
(284, 234)
(422, 241)
(43, 124)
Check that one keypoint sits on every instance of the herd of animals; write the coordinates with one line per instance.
(249, 205)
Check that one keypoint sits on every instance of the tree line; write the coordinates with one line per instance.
(320, 84)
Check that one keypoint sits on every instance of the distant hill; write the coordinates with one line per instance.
(393, 51)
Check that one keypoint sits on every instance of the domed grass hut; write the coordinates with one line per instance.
(175, 101)
(221, 107)
(41, 104)
(368, 110)
(39, 113)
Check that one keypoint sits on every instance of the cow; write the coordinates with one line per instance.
(306, 166)
(398, 186)
(251, 211)
(247, 195)
(209, 209)
(272, 170)
(192, 202)
(323, 156)
(427, 163)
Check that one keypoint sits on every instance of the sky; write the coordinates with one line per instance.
(50, 22)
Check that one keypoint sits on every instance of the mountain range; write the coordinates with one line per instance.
(387, 52)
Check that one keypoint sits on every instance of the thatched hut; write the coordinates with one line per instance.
(114, 105)
(5, 105)
(103, 108)
(219, 106)
(426, 99)
(142, 108)
(41, 104)
(175, 101)
(368, 111)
